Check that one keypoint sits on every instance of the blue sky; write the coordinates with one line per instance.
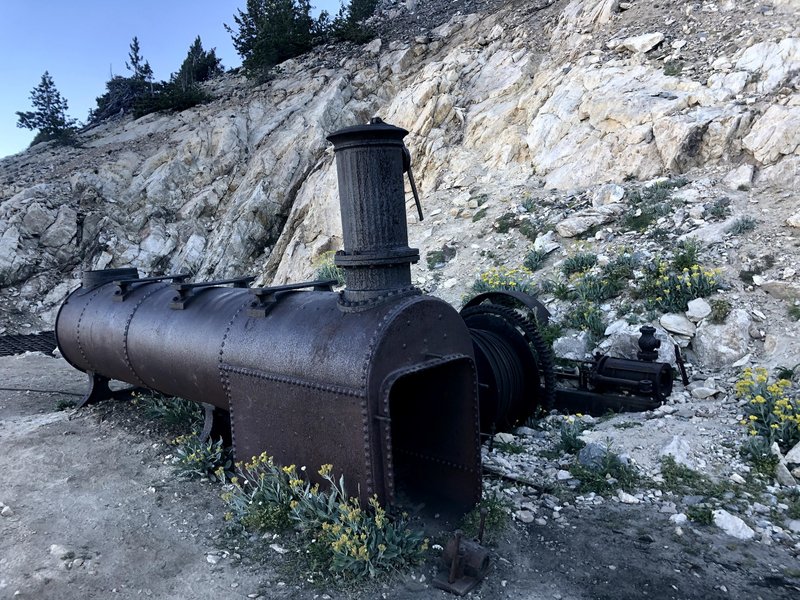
(82, 42)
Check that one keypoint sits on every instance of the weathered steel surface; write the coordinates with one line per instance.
(376, 258)
(378, 380)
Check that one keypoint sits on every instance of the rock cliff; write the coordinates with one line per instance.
(508, 103)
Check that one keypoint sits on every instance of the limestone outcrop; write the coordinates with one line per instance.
(519, 99)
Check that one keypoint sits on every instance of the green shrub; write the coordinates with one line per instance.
(671, 291)
(173, 412)
(700, 513)
(535, 259)
(586, 317)
(742, 225)
(569, 435)
(721, 208)
(650, 203)
(720, 309)
(673, 68)
(498, 517)
(758, 451)
(593, 288)
(794, 312)
(503, 278)
(578, 263)
(479, 214)
(610, 474)
(327, 269)
(686, 255)
(621, 268)
(506, 222)
(772, 411)
(202, 460)
(341, 537)
(529, 230)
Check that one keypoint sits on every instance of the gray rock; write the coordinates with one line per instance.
(718, 346)
(642, 43)
(793, 525)
(794, 220)
(793, 456)
(733, 525)
(679, 449)
(572, 347)
(699, 309)
(701, 393)
(692, 500)
(584, 220)
(678, 519)
(546, 243)
(677, 323)
(782, 290)
(37, 219)
(525, 516)
(563, 475)
(711, 234)
(609, 193)
(7, 512)
(740, 177)
(61, 232)
(592, 455)
(61, 552)
(783, 475)
(623, 342)
(627, 498)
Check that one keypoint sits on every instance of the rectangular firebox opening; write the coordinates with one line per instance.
(434, 448)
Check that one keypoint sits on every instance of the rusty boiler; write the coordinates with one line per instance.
(378, 379)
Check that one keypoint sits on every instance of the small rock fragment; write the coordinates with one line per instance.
(525, 516)
(699, 309)
(733, 525)
(642, 43)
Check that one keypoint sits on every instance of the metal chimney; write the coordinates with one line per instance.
(370, 162)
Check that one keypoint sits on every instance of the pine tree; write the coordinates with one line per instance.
(349, 23)
(271, 31)
(50, 114)
(198, 66)
(140, 67)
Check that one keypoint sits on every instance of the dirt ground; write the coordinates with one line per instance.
(96, 513)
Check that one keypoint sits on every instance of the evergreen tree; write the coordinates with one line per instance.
(140, 67)
(198, 66)
(349, 23)
(49, 115)
(271, 31)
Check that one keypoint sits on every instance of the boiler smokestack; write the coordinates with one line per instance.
(370, 162)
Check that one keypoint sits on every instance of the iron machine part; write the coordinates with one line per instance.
(515, 366)
(378, 379)
(465, 562)
(618, 384)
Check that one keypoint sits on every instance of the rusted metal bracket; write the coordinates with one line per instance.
(267, 297)
(124, 285)
(185, 291)
(465, 562)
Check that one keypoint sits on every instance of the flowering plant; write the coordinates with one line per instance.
(772, 411)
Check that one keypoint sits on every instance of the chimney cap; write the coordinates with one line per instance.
(375, 132)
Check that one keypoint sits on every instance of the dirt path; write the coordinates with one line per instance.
(97, 514)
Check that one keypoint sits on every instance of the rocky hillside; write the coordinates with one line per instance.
(590, 126)
(629, 162)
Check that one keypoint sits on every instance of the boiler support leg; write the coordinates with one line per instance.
(98, 390)
(217, 425)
